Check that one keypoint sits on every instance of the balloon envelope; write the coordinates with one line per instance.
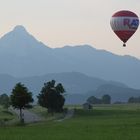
(124, 24)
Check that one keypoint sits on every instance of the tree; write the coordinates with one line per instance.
(51, 97)
(94, 100)
(4, 100)
(21, 98)
(131, 100)
(134, 100)
(106, 99)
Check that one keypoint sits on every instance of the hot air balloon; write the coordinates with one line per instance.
(124, 23)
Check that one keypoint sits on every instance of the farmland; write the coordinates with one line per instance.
(105, 122)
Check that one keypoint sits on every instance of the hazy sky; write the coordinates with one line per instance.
(70, 22)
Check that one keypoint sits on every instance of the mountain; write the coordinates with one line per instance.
(103, 64)
(78, 86)
(74, 82)
(117, 93)
(21, 55)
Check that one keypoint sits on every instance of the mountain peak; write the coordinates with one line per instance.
(20, 42)
(19, 28)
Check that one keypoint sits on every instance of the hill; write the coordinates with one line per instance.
(73, 82)
(78, 86)
(117, 93)
(21, 55)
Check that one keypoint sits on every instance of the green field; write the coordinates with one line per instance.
(5, 115)
(113, 122)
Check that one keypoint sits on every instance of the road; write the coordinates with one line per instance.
(29, 117)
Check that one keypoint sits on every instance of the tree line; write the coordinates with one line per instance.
(134, 100)
(105, 99)
(51, 97)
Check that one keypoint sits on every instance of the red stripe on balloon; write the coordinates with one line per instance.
(124, 35)
(124, 14)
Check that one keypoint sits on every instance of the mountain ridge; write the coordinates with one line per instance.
(78, 86)
(26, 56)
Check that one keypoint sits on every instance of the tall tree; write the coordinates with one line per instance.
(106, 99)
(51, 96)
(21, 98)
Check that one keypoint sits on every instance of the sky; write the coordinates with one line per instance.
(70, 22)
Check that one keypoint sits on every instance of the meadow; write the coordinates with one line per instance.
(5, 115)
(103, 122)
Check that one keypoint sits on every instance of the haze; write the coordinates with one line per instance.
(70, 22)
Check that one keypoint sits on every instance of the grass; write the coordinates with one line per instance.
(6, 117)
(110, 124)
(5, 114)
(39, 110)
(102, 123)
(43, 112)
